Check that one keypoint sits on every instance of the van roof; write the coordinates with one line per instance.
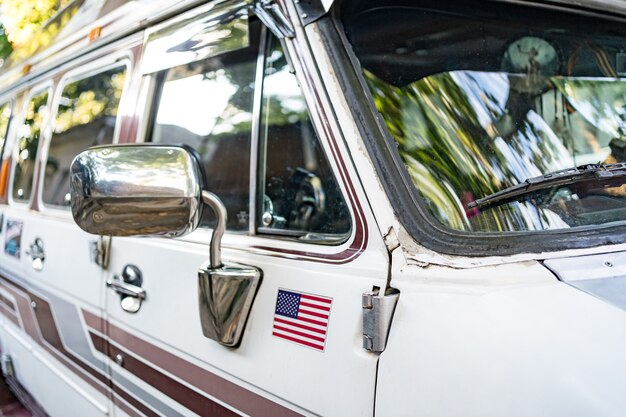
(67, 33)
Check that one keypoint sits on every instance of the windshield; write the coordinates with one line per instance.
(478, 104)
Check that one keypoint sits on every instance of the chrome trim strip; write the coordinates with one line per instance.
(255, 154)
(602, 276)
(184, 39)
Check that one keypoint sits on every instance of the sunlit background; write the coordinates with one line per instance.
(20, 20)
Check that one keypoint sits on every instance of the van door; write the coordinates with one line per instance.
(295, 211)
(51, 270)
(37, 285)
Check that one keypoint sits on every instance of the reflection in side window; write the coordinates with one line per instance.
(86, 117)
(5, 117)
(208, 105)
(481, 107)
(300, 195)
(28, 140)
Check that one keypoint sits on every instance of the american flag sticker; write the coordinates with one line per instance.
(302, 318)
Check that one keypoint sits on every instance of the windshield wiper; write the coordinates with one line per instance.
(582, 173)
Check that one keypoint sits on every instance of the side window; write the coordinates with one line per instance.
(5, 118)
(86, 117)
(299, 194)
(27, 143)
(207, 105)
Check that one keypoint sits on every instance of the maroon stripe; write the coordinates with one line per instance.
(51, 335)
(29, 319)
(302, 326)
(308, 320)
(361, 235)
(7, 302)
(302, 342)
(24, 310)
(93, 321)
(71, 362)
(230, 393)
(360, 240)
(9, 315)
(32, 329)
(308, 336)
(314, 313)
(191, 399)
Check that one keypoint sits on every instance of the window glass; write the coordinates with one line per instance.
(208, 105)
(482, 107)
(300, 196)
(86, 117)
(5, 117)
(28, 141)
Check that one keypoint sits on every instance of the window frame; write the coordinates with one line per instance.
(8, 99)
(8, 142)
(80, 72)
(29, 94)
(260, 148)
(149, 94)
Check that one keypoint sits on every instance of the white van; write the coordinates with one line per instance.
(337, 208)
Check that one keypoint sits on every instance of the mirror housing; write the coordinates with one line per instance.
(136, 190)
(143, 190)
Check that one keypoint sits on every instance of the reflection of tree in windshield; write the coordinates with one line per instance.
(464, 135)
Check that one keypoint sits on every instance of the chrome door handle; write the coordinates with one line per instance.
(37, 254)
(128, 286)
(124, 288)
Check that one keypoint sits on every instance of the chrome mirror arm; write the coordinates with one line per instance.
(219, 209)
(225, 292)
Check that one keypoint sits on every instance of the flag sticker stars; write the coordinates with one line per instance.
(302, 318)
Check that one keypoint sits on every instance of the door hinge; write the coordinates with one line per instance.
(377, 314)
(310, 10)
(274, 18)
(99, 250)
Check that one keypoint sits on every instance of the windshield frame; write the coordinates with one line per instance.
(409, 207)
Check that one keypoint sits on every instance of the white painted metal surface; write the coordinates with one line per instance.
(500, 340)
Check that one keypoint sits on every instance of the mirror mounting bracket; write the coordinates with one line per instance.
(225, 292)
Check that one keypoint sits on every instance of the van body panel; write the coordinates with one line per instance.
(521, 343)
(52, 294)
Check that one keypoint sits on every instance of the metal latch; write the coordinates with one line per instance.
(377, 314)
(273, 17)
(99, 251)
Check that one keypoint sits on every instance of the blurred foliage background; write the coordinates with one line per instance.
(21, 23)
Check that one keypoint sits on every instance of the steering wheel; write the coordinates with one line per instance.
(309, 197)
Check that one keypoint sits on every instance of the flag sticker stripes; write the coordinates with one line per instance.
(302, 318)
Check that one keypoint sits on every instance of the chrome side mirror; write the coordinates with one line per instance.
(143, 190)
(136, 191)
